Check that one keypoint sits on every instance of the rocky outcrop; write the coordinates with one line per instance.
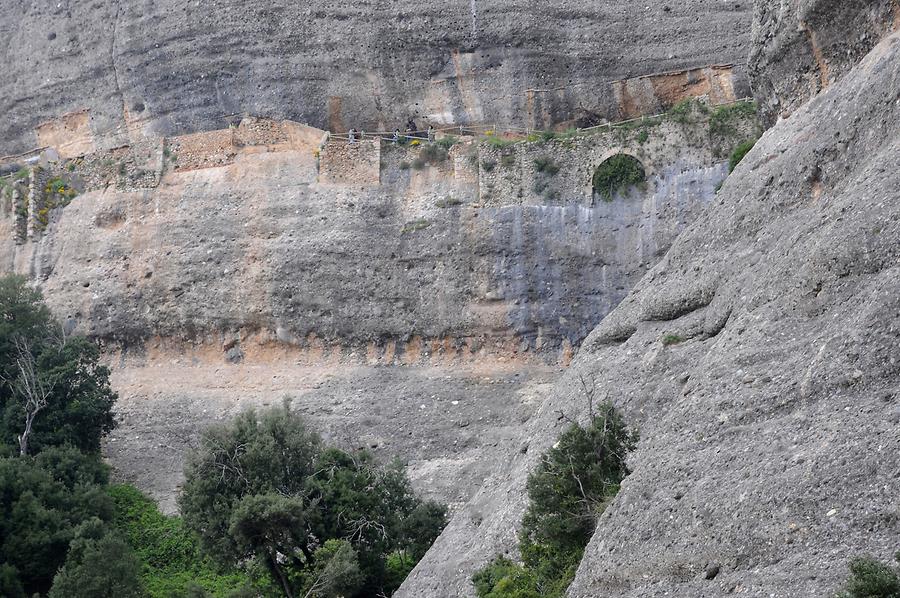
(769, 445)
(124, 69)
(800, 48)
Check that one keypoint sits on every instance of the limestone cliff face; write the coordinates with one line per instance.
(164, 67)
(392, 263)
(769, 436)
(800, 48)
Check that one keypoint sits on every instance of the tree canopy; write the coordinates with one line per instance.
(264, 486)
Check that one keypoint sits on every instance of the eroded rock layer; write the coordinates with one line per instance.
(769, 446)
(800, 48)
(164, 67)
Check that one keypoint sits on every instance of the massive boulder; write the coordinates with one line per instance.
(164, 67)
(769, 451)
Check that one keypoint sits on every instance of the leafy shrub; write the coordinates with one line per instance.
(738, 154)
(683, 111)
(500, 142)
(502, 578)
(448, 202)
(447, 142)
(571, 487)
(171, 560)
(42, 505)
(617, 174)
(434, 153)
(722, 120)
(488, 165)
(870, 578)
(404, 165)
(642, 136)
(508, 160)
(415, 225)
(545, 165)
(99, 564)
(671, 339)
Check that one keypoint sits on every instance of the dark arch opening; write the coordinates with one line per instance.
(616, 175)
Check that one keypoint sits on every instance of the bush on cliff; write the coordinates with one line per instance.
(264, 489)
(738, 154)
(870, 578)
(573, 484)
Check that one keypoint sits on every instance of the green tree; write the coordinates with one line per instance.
(53, 390)
(10, 586)
(567, 492)
(257, 453)
(335, 572)
(22, 315)
(99, 564)
(263, 486)
(42, 502)
(276, 529)
(569, 489)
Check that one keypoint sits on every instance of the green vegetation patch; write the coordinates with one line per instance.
(434, 153)
(447, 142)
(494, 141)
(448, 202)
(671, 339)
(723, 120)
(686, 111)
(738, 154)
(569, 490)
(616, 175)
(546, 165)
(170, 556)
(870, 578)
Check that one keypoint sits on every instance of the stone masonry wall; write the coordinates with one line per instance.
(559, 171)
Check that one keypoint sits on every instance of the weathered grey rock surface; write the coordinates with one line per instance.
(771, 435)
(173, 67)
(800, 48)
(258, 252)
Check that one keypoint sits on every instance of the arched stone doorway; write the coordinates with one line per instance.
(615, 175)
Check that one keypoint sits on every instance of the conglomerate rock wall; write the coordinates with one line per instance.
(769, 452)
(800, 48)
(127, 68)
